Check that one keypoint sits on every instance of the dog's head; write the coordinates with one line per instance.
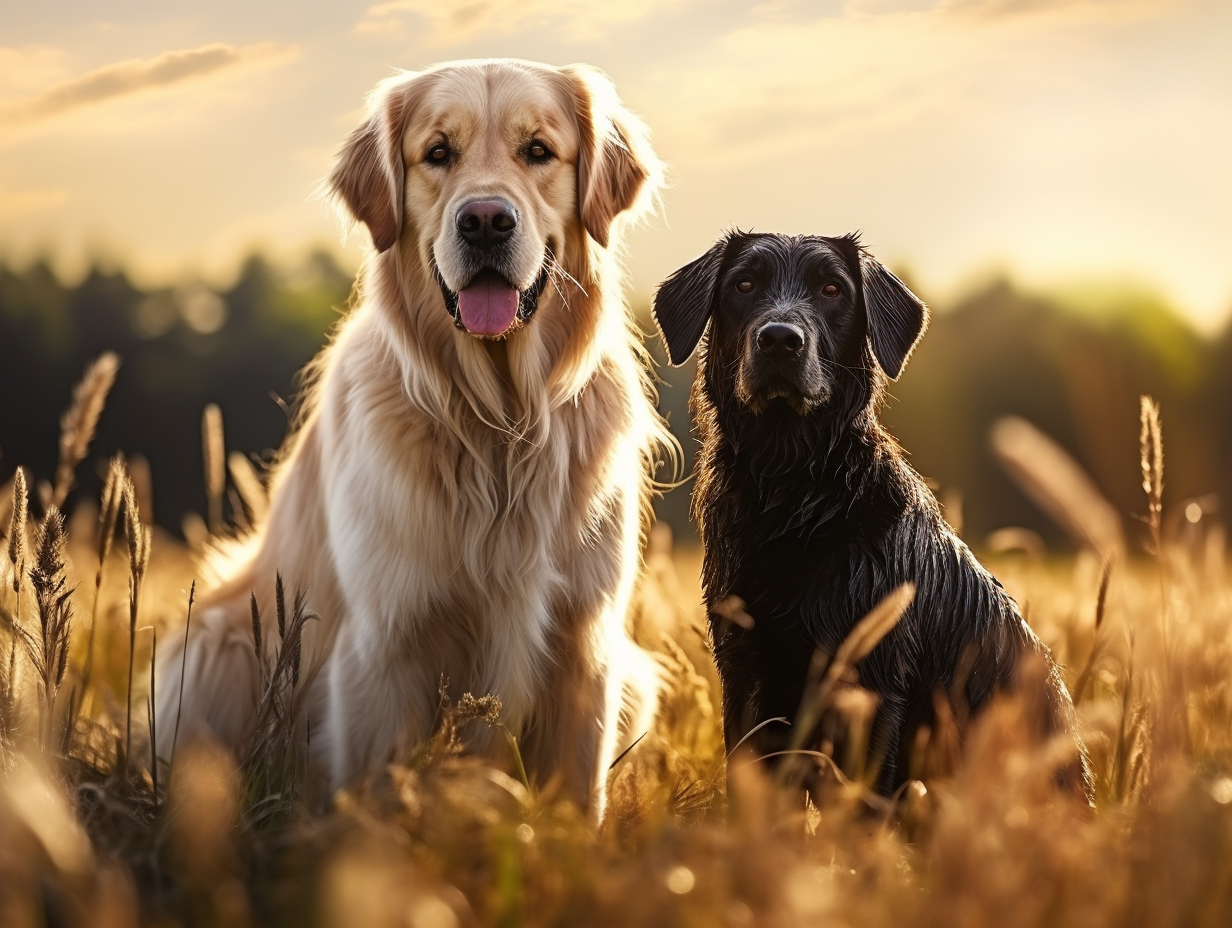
(489, 174)
(792, 319)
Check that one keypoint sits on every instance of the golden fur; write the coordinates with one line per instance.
(459, 508)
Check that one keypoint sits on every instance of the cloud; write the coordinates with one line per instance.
(1090, 10)
(830, 81)
(1098, 11)
(448, 24)
(125, 78)
(877, 69)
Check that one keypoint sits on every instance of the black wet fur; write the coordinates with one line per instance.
(810, 514)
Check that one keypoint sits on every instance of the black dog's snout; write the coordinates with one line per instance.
(780, 339)
(485, 223)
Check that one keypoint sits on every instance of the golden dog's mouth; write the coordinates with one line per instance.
(490, 306)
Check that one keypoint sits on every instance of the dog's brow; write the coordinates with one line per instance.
(451, 125)
(822, 258)
(827, 262)
(747, 262)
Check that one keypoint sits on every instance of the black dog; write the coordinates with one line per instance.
(807, 509)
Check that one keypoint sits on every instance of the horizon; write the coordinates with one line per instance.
(1087, 299)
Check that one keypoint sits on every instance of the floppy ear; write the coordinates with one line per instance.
(618, 171)
(683, 303)
(369, 174)
(897, 317)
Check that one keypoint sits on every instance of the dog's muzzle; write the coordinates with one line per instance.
(780, 363)
(489, 306)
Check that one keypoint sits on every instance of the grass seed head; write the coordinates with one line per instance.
(48, 648)
(109, 508)
(138, 535)
(280, 602)
(45, 575)
(17, 527)
(1151, 446)
(214, 459)
(256, 625)
(79, 422)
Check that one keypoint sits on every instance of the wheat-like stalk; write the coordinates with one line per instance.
(280, 604)
(151, 713)
(1151, 446)
(79, 422)
(8, 705)
(214, 459)
(1151, 459)
(143, 486)
(256, 625)
(48, 650)
(1097, 646)
(858, 644)
(108, 515)
(248, 483)
(17, 530)
(179, 708)
(681, 670)
(139, 538)
(109, 510)
(16, 552)
(297, 646)
(269, 753)
(1059, 485)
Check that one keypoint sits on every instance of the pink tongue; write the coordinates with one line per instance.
(488, 304)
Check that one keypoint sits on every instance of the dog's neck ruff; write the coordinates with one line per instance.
(809, 469)
(528, 299)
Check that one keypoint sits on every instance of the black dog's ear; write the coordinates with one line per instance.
(683, 303)
(897, 317)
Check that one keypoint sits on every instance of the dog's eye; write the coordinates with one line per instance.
(830, 291)
(744, 286)
(537, 152)
(438, 154)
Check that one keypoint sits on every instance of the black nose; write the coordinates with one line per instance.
(780, 339)
(484, 223)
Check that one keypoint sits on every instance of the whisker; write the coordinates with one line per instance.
(552, 277)
(555, 268)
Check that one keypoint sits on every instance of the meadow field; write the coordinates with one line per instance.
(93, 831)
(1049, 176)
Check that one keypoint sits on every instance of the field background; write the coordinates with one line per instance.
(1071, 361)
(1132, 598)
(1050, 175)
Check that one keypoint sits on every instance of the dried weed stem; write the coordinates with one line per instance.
(139, 538)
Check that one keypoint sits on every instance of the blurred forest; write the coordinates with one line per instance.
(1073, 365)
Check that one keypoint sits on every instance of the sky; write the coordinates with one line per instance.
(1058, 141)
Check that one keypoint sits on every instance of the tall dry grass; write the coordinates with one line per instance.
(79, 421)
(96, 831)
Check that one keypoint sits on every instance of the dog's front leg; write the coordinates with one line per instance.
(371, 709)
(572, 737)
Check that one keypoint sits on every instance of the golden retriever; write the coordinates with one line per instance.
(464, 494)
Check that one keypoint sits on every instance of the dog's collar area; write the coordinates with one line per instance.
(528, 299)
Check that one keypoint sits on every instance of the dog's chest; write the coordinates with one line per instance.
(792, 568)
(475, 549)
(509, 515)
(522, 557)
